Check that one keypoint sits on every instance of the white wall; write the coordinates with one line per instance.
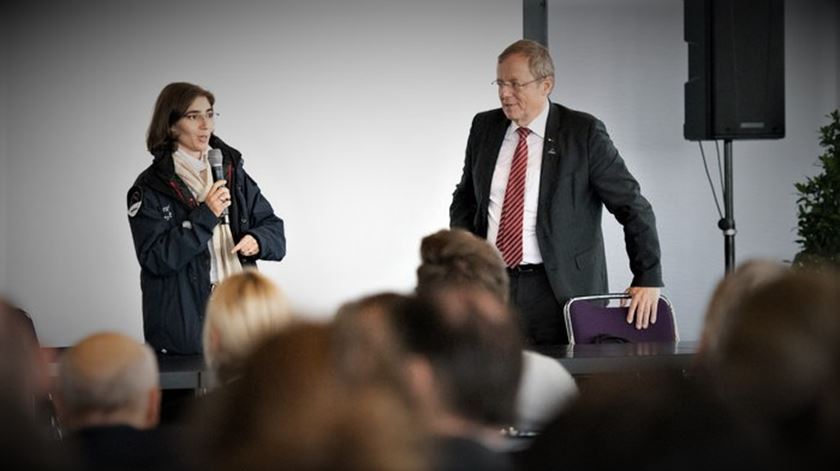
(352, 116)
(626, 62)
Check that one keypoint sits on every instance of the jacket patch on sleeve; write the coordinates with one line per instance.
(135, 201)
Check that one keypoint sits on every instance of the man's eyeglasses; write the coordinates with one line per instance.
(196, 116)
(516, 86)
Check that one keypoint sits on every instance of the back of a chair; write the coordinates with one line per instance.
(589, 320)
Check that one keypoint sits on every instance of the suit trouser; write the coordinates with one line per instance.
(540, 314)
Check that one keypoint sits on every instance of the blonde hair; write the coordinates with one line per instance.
(244, 309)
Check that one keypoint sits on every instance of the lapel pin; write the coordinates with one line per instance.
(551, 150)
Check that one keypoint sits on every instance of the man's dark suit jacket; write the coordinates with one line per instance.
(581, 172)
(124, 448)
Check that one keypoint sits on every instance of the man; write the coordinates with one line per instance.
(109, 399)
(451, 258)
(535, 179)
(463, 361)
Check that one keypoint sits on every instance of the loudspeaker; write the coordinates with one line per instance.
(736, 69)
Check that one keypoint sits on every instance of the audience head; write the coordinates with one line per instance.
(367, 349)
(458, 257)
(779, 361)
(464, 355)
(290, 408)
(22, 441)
(729, 294)
(244, 309)
(22, 370)
(108, 379)
(654, 421)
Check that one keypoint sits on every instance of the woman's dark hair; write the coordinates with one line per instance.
(172, 103)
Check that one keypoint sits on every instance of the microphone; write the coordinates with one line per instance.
(214, 157)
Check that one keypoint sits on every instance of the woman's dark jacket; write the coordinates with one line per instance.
(171, 230)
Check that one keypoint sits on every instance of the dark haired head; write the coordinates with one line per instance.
(473, 346)
(458, 257)
(171, 104)
(779, 361)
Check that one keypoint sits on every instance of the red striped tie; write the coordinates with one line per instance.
(509, 238)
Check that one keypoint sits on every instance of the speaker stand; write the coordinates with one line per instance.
(727, 224)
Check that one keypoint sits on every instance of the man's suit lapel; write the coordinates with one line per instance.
(550, 163)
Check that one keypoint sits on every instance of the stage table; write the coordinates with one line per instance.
(189, 371)
(592, 359)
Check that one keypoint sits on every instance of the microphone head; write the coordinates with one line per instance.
(214, 157)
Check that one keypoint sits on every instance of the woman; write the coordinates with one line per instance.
(175, 211)
(241, 312)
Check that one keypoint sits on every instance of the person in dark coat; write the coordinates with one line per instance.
(191, 232)
(536, 178)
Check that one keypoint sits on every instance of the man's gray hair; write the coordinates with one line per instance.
(115, 385)
(539, 60)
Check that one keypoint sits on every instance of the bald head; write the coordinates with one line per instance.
(109, 379)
